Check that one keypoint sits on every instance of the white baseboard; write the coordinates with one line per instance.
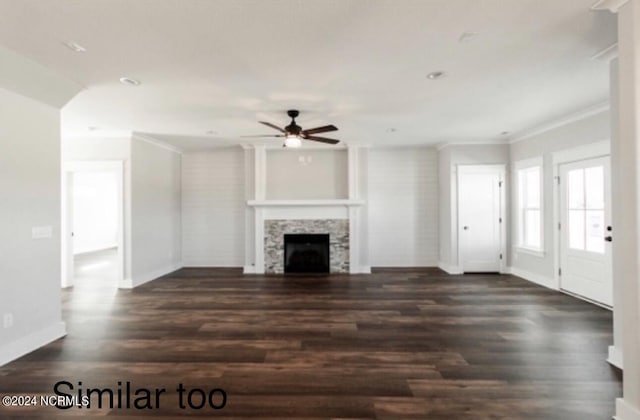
(625, 411)
(147, 277)
(360, 269)
(615, 357)
(31, 342)
(450, 269)
(126, 284)
(535, 278)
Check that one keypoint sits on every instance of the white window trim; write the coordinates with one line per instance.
(530, 251)
(519, 247)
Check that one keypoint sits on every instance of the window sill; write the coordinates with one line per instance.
(534, 252)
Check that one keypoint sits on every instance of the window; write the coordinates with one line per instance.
(529, 215)
(586, 209)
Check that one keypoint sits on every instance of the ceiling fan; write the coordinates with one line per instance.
(293, 134)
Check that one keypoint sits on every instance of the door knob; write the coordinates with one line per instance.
(466, 228)
(608, 238)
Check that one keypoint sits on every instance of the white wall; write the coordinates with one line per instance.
(97, 148)
(156, 211)
(95, 211)
(30, 197)
(447, 255)
(449, 158)
(362, 193)
(403, 207)
(595, 128)
(213, 206)
(306, 174)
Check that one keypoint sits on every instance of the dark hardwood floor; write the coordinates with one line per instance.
(394, 344)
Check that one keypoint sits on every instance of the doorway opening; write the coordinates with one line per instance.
(92, 224)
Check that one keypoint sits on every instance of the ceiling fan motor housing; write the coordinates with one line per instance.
(293, 128)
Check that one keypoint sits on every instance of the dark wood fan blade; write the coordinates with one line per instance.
(318, 130)
(322, 139)
(275, 127)
(265, 135)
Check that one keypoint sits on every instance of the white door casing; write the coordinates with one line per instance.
(480, 217)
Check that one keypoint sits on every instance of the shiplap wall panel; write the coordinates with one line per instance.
(321, 175)
(213, 208)
(403, 207)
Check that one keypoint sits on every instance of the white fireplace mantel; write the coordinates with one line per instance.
(303, 209)
(259, 209)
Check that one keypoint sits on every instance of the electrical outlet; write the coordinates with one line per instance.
(7, 320)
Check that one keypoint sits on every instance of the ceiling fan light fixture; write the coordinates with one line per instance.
(292, 141)
(129, 81)
(74, 46)
(436, 75)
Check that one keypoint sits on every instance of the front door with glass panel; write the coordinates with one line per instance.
(585, 229)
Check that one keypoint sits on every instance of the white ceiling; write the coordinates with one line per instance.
(221, 65)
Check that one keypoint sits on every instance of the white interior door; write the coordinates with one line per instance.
(480, 218)
(585, 212)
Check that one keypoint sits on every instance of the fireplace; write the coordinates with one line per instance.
(275, 231)
(306, 253)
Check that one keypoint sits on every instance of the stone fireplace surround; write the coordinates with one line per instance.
(273, 218)
(338, 230)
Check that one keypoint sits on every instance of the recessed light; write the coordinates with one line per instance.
(467, 37)
(129, 81)
(74, 46)
(435, 75)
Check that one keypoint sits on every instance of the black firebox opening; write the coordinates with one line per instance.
(306, 253)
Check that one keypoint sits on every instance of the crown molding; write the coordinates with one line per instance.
(611, 5)
(567, 119)
(101, 134)
(606, 54)
(159, 143)
(359, 146)
(472, 143)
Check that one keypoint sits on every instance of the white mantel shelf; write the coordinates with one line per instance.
(304, 203)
